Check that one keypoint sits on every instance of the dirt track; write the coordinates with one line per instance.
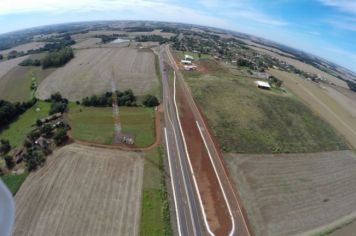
(82, 191)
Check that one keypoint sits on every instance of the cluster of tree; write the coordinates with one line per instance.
(34, 158)
(14, 54)
(5, 147)
(352, 85)
(109, 38)
(1, 57)
(58, 104)
(150, 101)
(139, 29)
(126, 98)
(30, 62)
(10, 111)
(275, 81)
(60, 136)
(151, 38)
(244, 63)
(58, 58)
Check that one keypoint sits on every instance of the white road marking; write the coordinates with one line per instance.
(222, 189)
(172, 182)
(190, 164)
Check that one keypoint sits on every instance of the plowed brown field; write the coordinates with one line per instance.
(82, 191)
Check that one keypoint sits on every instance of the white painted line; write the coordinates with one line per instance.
(190, 164)
(172, 182)
(221, 187)
(222, 166)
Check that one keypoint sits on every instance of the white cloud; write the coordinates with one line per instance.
(260, 17)
(344, 5)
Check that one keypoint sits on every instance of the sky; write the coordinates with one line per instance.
(326, 28)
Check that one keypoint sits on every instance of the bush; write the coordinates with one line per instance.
(47, 130)
(58, 104)
(61, 136)
(34, 159)
(150, 101)
(9, 162)
(5, 146)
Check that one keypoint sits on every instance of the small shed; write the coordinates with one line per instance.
(188, 57)
(186, 62)
(263, 84)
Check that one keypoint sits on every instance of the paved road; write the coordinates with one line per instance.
(187, 205)
(239, 223)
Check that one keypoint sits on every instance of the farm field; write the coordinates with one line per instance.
(246, 119)
(97, 124)
(323, 103)
(89, 42)
(15, 85)
(155, 209)
(288, 194)
(24, 47)
(90, 72)
(6, 66)
(82, 191)
(303, 66)
(17, 130)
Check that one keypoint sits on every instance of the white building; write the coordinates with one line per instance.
(188, 57)
(186, 62)
(262, 84)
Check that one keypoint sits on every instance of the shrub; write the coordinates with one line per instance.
(9, 162)
(5, 146)
(150, 101)
(61, 136)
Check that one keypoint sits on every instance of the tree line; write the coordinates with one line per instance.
(10, 111)
(58, 58)
(151, 38)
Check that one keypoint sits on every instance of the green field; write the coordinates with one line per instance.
(14, 181)
(17, 130)
(155, 218)
(249, 120)
(97, 124)
(16, 85)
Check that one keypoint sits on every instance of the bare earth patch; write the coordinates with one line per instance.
(90, 72)
(82, 191)
(290, 194)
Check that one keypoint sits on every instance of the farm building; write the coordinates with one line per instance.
(190, 67)
(186, 62)
(262, 84)
(188, 57)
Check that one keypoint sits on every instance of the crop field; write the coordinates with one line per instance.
(250, 120)
(89, 42)
(303, 66)
(82, 191)
(323, 103)
(17, 130)
(24, 47)
(289, 194)
(94, 124)
(6, 66)
(90, 72)
(15, 85)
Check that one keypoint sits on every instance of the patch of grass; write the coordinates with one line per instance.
(16, 85)
(249, 120)
(14, 181)
(155, 218)
(96, 124)
(17, 130)
(181, 54)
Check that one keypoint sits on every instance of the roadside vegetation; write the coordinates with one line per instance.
(249, 120)
(155, 216)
